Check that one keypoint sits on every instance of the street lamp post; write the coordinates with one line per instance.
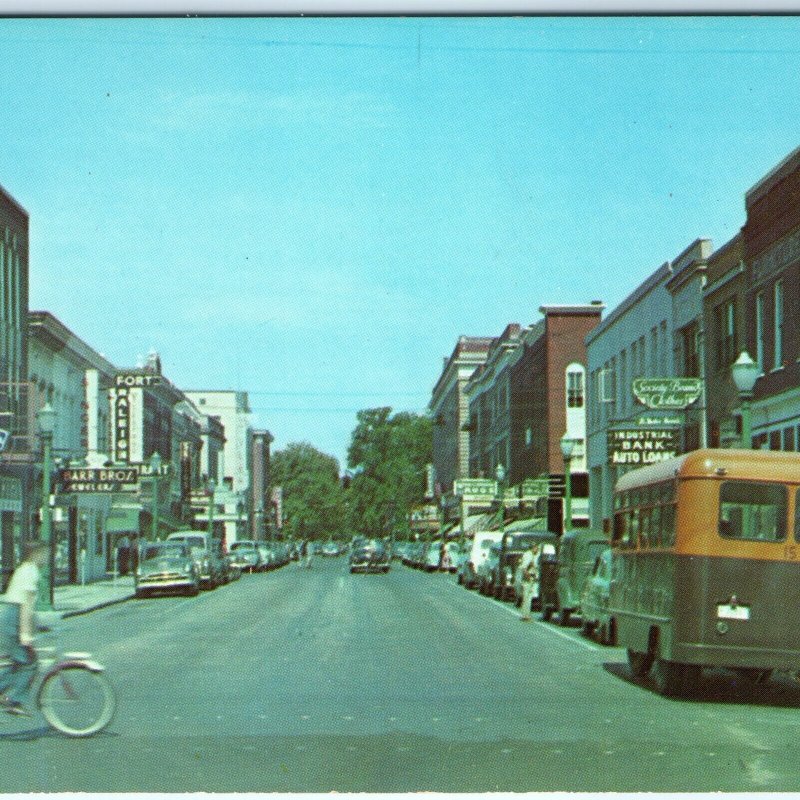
(745, 373)
(155, 474)
(567, 446)
(500, 474)
(212, 487)
(46, 420)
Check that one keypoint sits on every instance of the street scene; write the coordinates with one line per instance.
(400, 404)
(405, 681)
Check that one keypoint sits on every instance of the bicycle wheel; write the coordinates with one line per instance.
(76, 701)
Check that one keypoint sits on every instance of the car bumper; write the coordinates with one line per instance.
(162, 582)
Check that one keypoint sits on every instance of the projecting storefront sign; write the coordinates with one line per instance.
(641, 446)
(534, 488)
(111, 479)
(667, 393)
(476, 490)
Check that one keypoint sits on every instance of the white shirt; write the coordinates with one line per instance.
(25, 579)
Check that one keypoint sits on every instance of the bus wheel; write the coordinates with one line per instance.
(547, 612)
(563, 617)
(639, 663)
(669, 677)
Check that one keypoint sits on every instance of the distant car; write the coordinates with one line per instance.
(166, 566)
(595, 615)
(487, 569)
(371, 557)
(230, 568)
(245, 554)
(432, 555)
(455, 553)
(516, 544)
(547, 552)
(330, 549)
(207, 555)
(577, 553)
(476, 555)
(268, 556)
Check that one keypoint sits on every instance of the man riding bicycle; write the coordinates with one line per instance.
(17, 628)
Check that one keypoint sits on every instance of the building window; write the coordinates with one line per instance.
(664, 348)
(528, 437)
(623, 382)
(726, 333)
(760, 330)
(654, 351)
(778, 311)
(575, 395)
(690, 349)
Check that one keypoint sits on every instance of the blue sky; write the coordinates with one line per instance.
(313, 210)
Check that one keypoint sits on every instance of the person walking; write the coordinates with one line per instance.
(17, 627)
(529, 564)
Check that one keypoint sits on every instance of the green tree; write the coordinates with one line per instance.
(388, 455)
(313, 498)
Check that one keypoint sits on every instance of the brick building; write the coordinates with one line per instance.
(772, 255)
(724, 323)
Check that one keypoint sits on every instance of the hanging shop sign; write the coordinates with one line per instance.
(667, 393)
(108, 479)
(640, 446)
(534, 488)
(476, 490)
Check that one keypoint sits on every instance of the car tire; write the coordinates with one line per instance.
(142, 594)
(587, 627)
(672, 678)
(193, 591)
(547, 612)
(564, 617)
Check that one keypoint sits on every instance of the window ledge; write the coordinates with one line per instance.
(781, 368)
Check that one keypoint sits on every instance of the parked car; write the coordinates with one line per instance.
(230, 568)
(412, 553)
(516, 544)
(595, 615)
(281, 553)
(487, 568)
(267, 555)
(166, 566)
(207, 554)
(330, 549)
(547, 552)
(453, 555)
(245, 554)
(431, 555)
(371, 557)
(478, 551)
(577, 553)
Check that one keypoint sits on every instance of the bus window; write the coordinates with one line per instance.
(656, 532)
(755, 511)
(668, 525)
(645, 537)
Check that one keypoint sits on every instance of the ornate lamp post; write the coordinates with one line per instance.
(212, 487)
(46, 422)
(567, 446)
(155, 474)
(745, 372)
(500, 474)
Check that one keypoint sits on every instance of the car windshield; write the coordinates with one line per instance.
(242, 546)
(192, 541)
(163, 551)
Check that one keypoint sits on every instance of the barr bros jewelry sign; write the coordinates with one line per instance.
(667, 393)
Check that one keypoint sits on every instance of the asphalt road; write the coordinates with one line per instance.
(318, 680)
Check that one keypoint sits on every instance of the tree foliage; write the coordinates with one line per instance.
(313, 498)
(388, 455)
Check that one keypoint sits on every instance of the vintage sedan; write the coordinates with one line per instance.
(595, 615)
(166, 566)
(245, 554)
(371, 557)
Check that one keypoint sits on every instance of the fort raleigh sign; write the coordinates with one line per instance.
(667, 393)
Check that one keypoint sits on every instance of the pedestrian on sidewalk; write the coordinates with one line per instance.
(17, 630)
(529, 564)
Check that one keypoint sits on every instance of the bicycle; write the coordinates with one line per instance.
(74, 695)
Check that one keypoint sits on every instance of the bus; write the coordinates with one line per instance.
(706, 566)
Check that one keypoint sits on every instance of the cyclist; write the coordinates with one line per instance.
(16, 630)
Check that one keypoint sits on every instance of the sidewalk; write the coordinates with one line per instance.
(69, 601)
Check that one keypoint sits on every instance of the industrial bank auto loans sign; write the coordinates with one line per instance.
(640, 446)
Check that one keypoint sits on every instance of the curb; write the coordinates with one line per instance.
(79, 611)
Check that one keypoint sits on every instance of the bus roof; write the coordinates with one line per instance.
(766, 465)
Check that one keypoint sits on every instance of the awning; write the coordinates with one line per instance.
(122, 520)
(527, 525)
(477, 522)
